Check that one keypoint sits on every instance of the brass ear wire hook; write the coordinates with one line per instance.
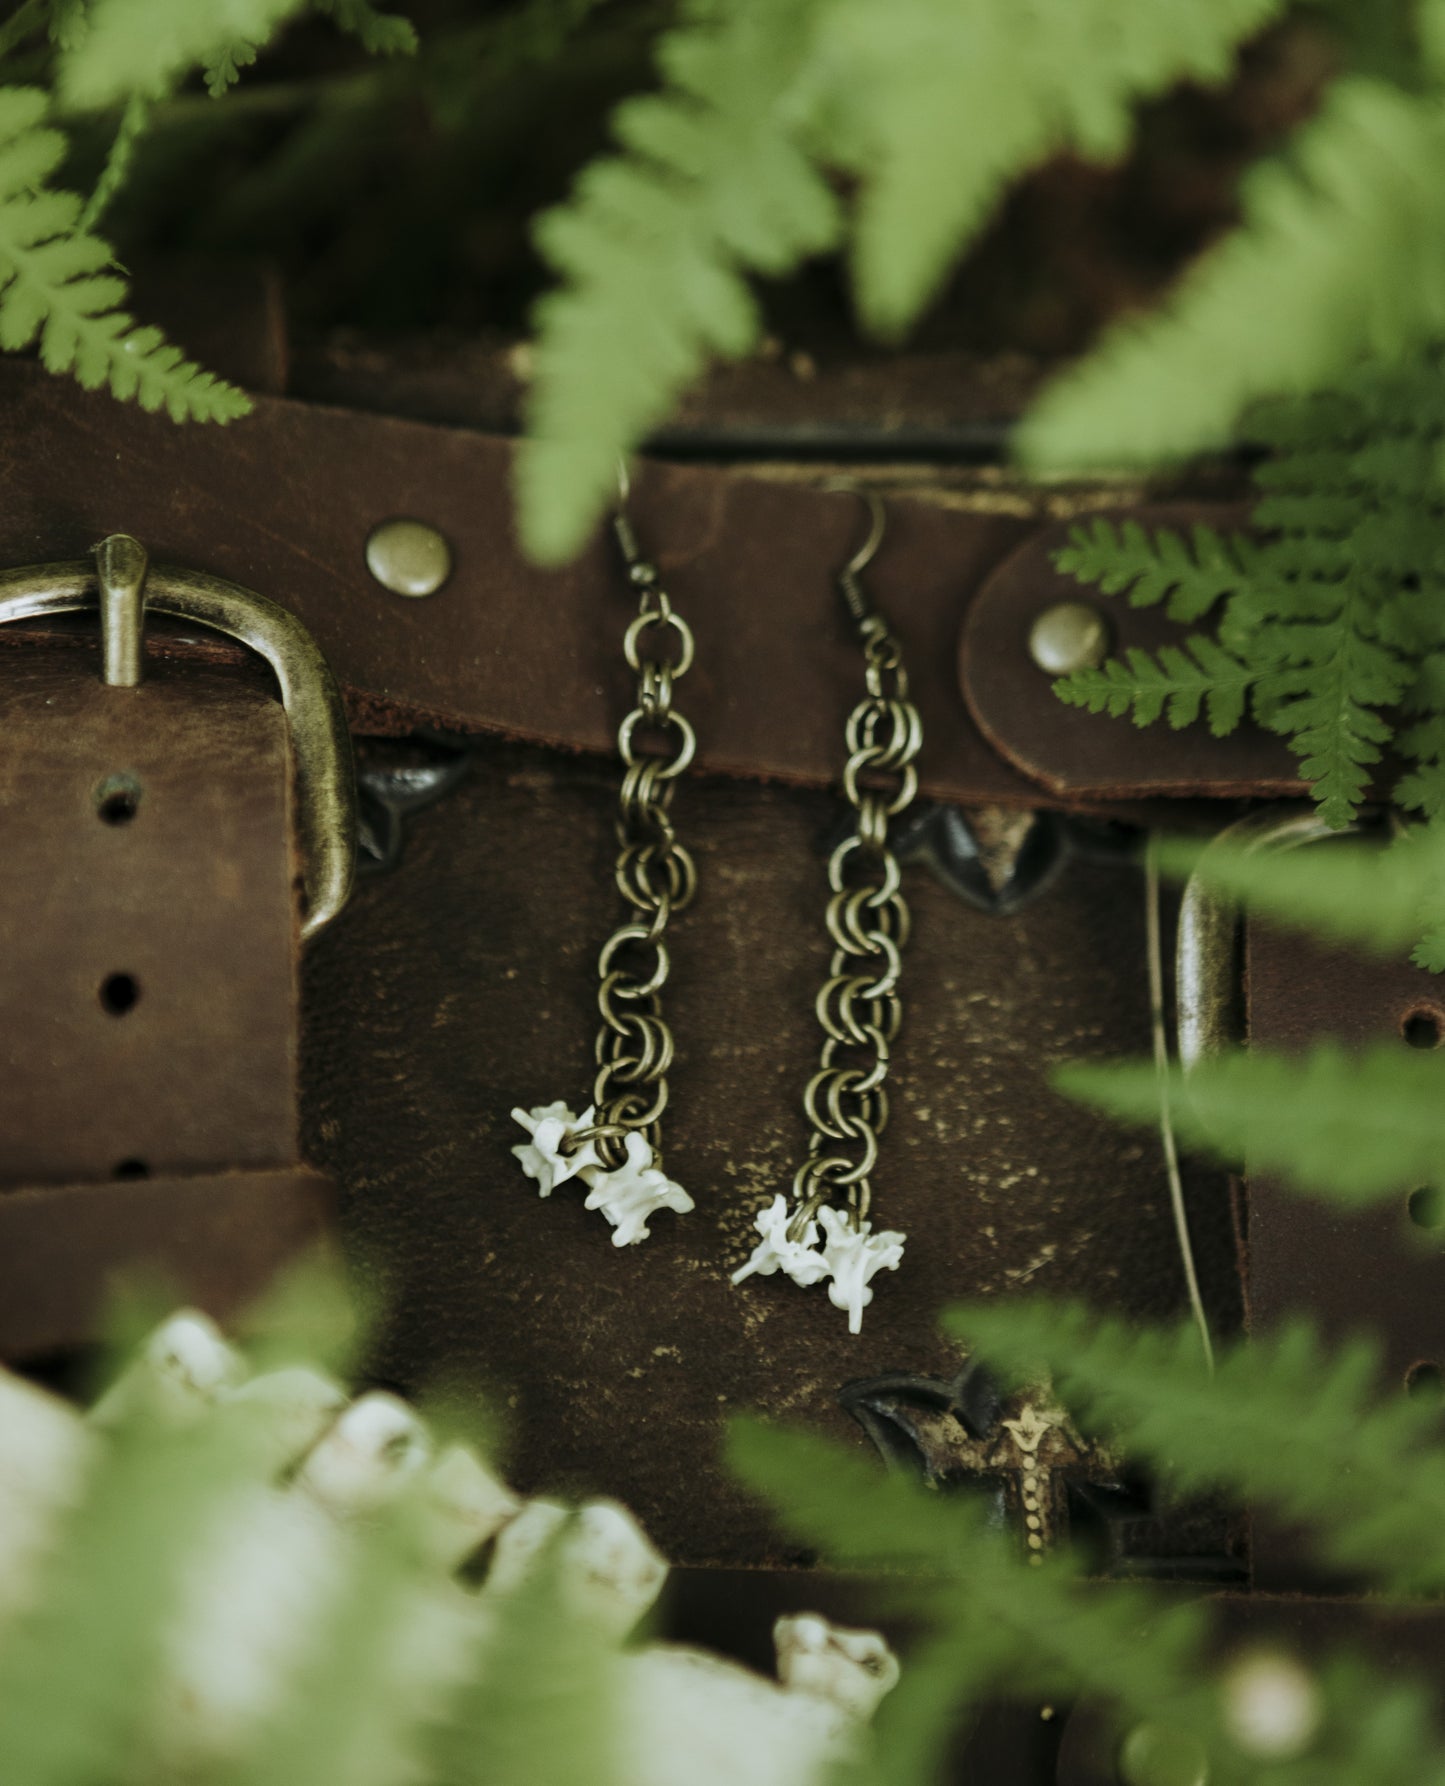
(850, 577)
(638, 569)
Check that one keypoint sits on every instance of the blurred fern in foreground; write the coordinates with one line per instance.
(994, 1628)
(928, 109)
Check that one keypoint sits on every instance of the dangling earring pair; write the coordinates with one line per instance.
(613, 1145)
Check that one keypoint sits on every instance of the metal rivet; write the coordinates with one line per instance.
(1158, 1755)
(1067, 637)
(408, 558)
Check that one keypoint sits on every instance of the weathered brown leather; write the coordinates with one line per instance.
(464, 982)
(284, 502)
(1077, 755)
(1372, 1270)
(200, 1075)
(148, 999)
(1368, 1271)
(212, 1242)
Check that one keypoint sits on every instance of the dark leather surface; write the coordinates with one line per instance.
(1373, 1270)
(463, 983)
(1369, 1271)
(148, 1001)
(214, 1243)
(199, 1075)
(1079, 755)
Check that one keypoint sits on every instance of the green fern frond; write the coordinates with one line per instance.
(1349, 892)
(1325, 701)
(86, 1659)
(1350, 1128)
(380, 33)
(1339, 254)
(69, 20)
(1193, 575)
(1177, 684)
(543, 1704)
(1337, 609)
(995, 1624)
(342, 1708)
(55, 283)
(146, 46)
(1281, 1421)
(222, 68)
(654, 249)
(936, 108)
(128, 133)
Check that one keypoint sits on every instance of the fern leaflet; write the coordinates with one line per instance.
(54, 284)
(1350, 892)
(68, 22)
(1280, 1421)
(380, 33)
(222, 68)
(1336, 611)
(131, 128)
(1353, 1128)
(655, 246)
(146, 46)
(986, 92)
(1176, 683)
(994, 1622)
(1189, 577)
(1339, 254)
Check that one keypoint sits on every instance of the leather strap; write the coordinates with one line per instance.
(1373, 1270)
(1077, 755)
(285, 501)
(148, 1008)
(212, 1242)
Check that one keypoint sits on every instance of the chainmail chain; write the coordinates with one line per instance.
(867, 917)
(655, 874)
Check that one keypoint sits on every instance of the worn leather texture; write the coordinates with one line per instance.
(149, 1001)
(464, 982)
(215, 1242)
(1081, 756)
(1371, 1271)
(198, 1073)
(284, 502)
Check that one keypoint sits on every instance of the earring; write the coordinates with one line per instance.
(858, 1007)
(614, 1146)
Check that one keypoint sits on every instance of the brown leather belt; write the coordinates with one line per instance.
(150, 1085)
(285, 501)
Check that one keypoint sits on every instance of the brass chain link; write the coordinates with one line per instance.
(846, 1100)
(655, 874)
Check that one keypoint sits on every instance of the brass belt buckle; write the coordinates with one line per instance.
(124, 585)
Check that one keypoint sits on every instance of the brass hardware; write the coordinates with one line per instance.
(655, 873)
(858, 1007)
(1207, 954)
(325, 786)
(409, 558)
(120, 568)
(1067, 637)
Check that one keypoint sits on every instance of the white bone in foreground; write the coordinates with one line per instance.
(262, 1584)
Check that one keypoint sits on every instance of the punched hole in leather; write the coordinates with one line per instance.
(149, 936)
